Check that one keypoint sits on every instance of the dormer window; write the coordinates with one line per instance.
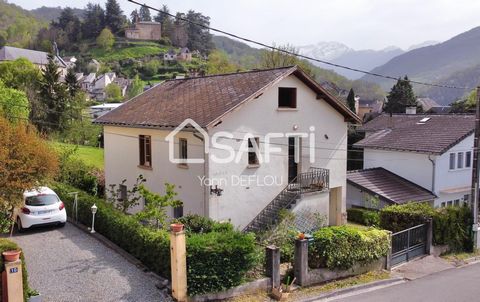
(287, 97)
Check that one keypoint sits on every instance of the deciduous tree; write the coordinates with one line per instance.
(219, 63)
(14, 104)
(113, 93)
(106, 39)
(136, 88)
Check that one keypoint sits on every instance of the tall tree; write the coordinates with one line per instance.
(71, 81)
(114, 18)
(199, 38)
(136, 87)
(145, 14)
(351, 100)
(94, 20)
(400, 97)
(218, 63)
(179, 33)
(278, 58)
(160, 17)
(54, 97)
(14, 104)
(134, 16)
(106, 39)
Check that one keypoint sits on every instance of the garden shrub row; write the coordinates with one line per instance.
(451, 225)
(218, 257)
(341, 247)
(7, 245)
(364, 216)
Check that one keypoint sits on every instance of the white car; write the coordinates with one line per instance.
(42, 206)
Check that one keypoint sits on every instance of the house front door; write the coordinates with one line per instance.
(292, 164)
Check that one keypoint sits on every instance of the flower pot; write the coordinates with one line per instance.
(301, 236)
(11, 256)
(176, 227)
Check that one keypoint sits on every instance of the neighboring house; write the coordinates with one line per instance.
(88, 81)
(184, 55)
(365, 108)
(431, 106)
(38, 58)
(170, 55)
(138, 137)
(377, 187)
(434, 151)
(144, 30)
(70, 61)
(99, 110)
(98, 90)
(93, 65)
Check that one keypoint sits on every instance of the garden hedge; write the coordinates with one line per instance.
(363, 216)
(451, 225)
(216, 260)
(341, 247)
(7, 245)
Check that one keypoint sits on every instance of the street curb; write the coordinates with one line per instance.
(105, 241)
(347, 290)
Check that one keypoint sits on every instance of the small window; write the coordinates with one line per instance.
(287, 97)
(466, 198)
(178, 212)
(452, 161)
(182, 149)
(443, 204)
(123, 192)
(449, 203)
(460, 160)
(468, 159)
(456, 202)
(252, 150)
(145, 148)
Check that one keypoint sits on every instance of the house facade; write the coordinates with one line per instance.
(234, 114)
(433, 151)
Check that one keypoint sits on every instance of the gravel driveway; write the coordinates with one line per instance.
(66, 264)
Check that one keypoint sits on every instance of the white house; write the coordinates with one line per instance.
(229, 116)
(434, 151)
(99, 110)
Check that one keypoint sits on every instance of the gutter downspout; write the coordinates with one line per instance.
(206, 193)
(433, 174)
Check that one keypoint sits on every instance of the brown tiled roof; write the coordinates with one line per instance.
(206, 99)
(388, 186)
(406, 132)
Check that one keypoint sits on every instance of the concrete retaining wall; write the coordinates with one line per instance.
(247, 288)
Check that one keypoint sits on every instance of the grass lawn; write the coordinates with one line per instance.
(90, 155)
(358, 226)
(129, 52)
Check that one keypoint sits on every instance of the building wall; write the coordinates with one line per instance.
(122, 159)
(358, 198)
(241, 203)
(415, 167)
(144, 32)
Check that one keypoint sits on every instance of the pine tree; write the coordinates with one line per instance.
(400, 97)
(145, 14)
(94, 20)
(134, 16)
(114, 16)
(71, 82)
(351, 100)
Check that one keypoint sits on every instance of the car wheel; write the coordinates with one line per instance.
(19, 225)
(61, 225)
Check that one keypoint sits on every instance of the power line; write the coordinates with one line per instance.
(296, 54)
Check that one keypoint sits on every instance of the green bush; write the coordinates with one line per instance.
(452, 226)
(396, 218)
(7, 245)
(200, 224)
(340, 247)
(216, 260)
(363, 216)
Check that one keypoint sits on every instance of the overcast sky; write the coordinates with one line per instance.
(360, 24)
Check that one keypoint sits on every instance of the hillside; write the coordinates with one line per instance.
(52, 13)
(18, 27)
(339, 53)
(446, 63)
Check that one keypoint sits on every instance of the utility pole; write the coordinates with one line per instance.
(475, 171)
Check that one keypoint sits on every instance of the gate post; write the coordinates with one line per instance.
(273, 265)
(388, 262)
(178, 258)
(301, 262)
(429, 239)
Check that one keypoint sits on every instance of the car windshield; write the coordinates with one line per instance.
(41, 200)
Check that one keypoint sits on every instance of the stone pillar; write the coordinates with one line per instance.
(178, 258)
(12, 282)
(429, 242)
(388, 262)
(301, 262)
(273, 265)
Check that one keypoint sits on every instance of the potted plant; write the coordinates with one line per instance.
(11, 256)
(176, 227)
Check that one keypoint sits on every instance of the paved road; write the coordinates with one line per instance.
(66, 264)
(458, 284)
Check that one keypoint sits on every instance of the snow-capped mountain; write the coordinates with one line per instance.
(325, 50)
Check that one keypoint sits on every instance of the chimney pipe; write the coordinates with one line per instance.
(411, 110)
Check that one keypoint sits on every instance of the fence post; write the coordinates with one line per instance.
(12, 282)
(273, 265)
(301, 262)
(388, 263)
(178, 258)
(428, 244)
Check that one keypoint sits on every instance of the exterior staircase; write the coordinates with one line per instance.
(315, 180)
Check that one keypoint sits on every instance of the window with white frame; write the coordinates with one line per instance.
(452, 161)
(460, 160)
(468, 159)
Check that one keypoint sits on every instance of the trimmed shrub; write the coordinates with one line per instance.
(453, 226)
(340, 247)
(364, 216)
(216, 260)
(7, 245)
(396, 218)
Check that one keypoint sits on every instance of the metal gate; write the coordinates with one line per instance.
(409, 244)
